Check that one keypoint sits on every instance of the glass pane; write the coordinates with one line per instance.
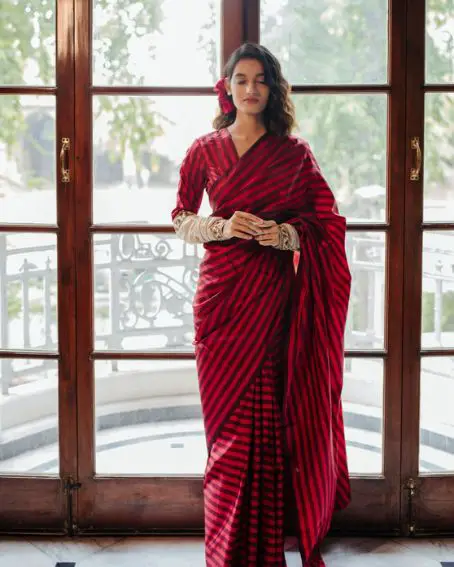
(27, 44)
(28, 291)
(438, 290)
(348, 134)
(136, 162)
(366, 252)
(439, 41)
(144, 286)
(439, 157)
(148, 418)
(327, 42)
(27, 159)
(437, 418)
(362, 399)
(165, 42)
(29, 416)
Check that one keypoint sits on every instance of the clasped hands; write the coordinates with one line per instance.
(249, 226)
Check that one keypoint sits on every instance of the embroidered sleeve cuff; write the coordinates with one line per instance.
(195, 229)
(288, 237)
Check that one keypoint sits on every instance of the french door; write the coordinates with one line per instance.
(100, 421)
(428, 346)
(38, 437)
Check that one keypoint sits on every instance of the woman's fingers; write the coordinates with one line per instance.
(241, 234)
(250, 217)
(247, 227)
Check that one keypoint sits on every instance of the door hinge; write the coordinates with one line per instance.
(411, 487)
(69, 485)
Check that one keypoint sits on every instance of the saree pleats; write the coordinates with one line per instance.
(244, 477)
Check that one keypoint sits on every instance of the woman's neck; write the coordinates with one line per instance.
(247, 126)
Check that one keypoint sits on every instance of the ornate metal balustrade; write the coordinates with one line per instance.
(144, 285)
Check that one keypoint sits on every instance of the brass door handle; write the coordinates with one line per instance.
(415, 171)
(64, 161)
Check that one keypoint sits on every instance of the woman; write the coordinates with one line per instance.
(268, 341)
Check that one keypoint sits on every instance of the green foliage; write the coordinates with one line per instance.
(428, 313)
(14, 300)
(345, 42)
(208, 43)
(132, 121)
(328, 41)
(439, 142)
(27, 34)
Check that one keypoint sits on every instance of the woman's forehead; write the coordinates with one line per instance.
(249, 67)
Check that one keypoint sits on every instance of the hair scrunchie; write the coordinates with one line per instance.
(225, 102)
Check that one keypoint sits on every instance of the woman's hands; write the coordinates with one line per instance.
(248, 226)
(269, 234)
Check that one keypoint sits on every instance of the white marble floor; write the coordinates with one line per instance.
(188, 552)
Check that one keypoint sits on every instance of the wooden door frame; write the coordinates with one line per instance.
(42, 503)
(430, 498)
(104, 502)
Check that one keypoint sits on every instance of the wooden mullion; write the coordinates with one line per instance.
(428, 226)
(340, 89)
(28, 228)
(27, 90)
(232, 27)
(152, 91)
(29, 354)
(65, 242)
(413, 220)
(182, 355)
(367, 227)
(84, 258)
(251, 12)
(119, 228)
(392, 403)
(437, 352)
(439, 88)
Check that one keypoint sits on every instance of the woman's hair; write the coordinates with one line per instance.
(279, 113)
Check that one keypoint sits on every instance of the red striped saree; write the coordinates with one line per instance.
(269, 328)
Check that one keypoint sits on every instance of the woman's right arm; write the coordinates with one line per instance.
(196, 229)
(193, 228)
(189, 226)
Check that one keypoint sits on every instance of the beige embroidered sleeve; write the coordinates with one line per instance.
(288, 237)
(196, 229)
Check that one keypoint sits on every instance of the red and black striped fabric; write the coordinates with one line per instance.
(269, 328)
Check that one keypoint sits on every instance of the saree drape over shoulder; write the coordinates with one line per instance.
(269, 328)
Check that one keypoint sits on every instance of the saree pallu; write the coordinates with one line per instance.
(269, 328)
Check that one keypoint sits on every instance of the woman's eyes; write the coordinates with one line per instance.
(244, 82)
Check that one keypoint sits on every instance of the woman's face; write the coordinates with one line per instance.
(248, 88)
